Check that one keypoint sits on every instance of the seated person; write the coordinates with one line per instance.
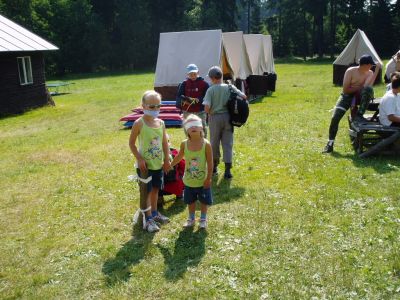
(389, 108)
(389, 86)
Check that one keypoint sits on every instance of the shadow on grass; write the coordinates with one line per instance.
(310, 61)
(381, 164)
(261, 99)
(172, 207)
(132, 252)
(61, 94)
(223, 192)
(98, 74)
(188, 252)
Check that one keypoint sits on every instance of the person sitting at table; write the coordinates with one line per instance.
(389, 108)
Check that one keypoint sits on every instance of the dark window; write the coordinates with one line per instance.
(25, 70)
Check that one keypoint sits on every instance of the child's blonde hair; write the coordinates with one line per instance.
(149, 95)
(191, 118)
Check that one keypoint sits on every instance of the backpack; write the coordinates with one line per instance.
(238, 108)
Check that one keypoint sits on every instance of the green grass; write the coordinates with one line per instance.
(293, 223)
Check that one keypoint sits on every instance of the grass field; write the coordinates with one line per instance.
(292, 224)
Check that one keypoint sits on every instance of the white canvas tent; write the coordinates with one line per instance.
(259, 48)
(269, 55)
(237, 52)
(391, 66)
(255, 49)
(178, 49)
(358, 46)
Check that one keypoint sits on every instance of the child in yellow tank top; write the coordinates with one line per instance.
(152, 157)
(198, 170)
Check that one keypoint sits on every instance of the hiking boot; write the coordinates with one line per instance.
(203, 224)
(328, 148)
(228, 174)
(189, 223)
(151, 226)
(215, 169)
(360, 119)
(161, 219)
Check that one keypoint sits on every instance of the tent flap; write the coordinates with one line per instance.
(237, 53)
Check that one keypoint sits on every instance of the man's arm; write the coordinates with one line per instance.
(347, 88)
(394, 118)
(239, 92)
(372, 76)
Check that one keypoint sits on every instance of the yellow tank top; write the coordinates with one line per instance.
(150, 145)
(195, 166)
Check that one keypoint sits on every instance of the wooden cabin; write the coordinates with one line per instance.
(22, 75)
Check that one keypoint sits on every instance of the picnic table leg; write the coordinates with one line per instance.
(382, 144)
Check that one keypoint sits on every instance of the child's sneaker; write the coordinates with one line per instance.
(151, 226)
(203, 224)
(161, 219)
(189, 223)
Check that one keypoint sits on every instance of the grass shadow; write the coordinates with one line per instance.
(132, 252)
(382, 164)
(59, 94)
(309, 60)
(188, 252)
(117, 269)
(261, 99)
(172, 207)
(224, 192)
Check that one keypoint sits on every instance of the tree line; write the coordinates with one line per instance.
(96, 35)
(324, 27)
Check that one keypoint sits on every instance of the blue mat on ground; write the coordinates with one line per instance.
(168, 102)
(168, 123)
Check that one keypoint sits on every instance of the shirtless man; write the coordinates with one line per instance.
(357, 82)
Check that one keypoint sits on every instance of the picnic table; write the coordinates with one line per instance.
(57, 85)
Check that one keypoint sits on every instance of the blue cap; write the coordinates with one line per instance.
(192, 68)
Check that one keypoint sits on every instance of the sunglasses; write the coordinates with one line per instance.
(153, 106)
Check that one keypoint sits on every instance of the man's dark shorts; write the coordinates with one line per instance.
(157, 179)
(191, 194)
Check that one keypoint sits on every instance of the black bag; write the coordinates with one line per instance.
(238, 108)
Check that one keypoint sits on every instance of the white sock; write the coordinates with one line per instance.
(330, 142)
